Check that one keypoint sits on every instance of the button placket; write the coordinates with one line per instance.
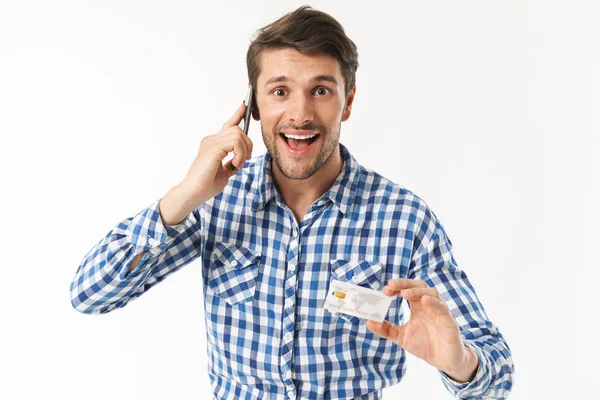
(289, 305)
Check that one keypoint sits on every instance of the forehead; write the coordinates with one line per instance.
(297, 66)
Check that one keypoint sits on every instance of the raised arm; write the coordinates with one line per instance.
(143, 250)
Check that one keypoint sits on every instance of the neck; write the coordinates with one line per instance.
(298, 193)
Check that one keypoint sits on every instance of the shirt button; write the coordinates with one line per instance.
(234, 263)
(288, 375)
(294, 233)
(355, 279)
(291, 394)
(292, 267)
(287, 337)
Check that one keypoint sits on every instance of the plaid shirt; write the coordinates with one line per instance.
(266, 277)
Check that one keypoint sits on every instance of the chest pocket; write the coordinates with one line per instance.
(363, 273)
(233, 272)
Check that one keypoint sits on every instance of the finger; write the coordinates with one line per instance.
(241, 158)
(236, 118)
(230, 169)
(232, 142)
(416, 293)
(250, 146)
(390, 292)
(435, 305)
(386, 330)
(405, 283)
(240, 146)
(395, 286)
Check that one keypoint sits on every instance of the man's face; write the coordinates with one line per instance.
(301, 96)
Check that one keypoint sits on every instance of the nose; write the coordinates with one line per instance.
(300, 109)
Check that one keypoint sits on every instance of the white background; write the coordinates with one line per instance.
(486, 109)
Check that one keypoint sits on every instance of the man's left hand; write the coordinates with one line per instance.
(431, 333)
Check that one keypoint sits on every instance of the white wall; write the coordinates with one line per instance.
(488, 110)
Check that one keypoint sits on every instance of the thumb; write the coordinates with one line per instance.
(385, 329)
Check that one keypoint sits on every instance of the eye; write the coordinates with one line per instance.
(279, 92)
(322, 91)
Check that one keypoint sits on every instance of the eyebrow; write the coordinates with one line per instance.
(318, 78)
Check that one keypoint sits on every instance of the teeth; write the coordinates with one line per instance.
(299, 137)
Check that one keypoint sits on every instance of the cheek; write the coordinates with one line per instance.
(271, 114)
(331, 112)
(332, 117)
(273, 109)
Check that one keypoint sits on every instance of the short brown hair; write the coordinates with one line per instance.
(309, 31)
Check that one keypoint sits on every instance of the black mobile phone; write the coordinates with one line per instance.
(249, 104)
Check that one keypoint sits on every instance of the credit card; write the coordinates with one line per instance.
(358, 301)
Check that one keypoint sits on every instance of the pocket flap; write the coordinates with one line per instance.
(359, 272)
(234, 256)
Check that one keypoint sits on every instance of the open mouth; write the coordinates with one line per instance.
(296, 143)
(299, 142)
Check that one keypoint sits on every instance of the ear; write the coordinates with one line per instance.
(348, 107)
(255, 112)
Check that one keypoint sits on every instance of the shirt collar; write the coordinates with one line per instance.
(342, 192)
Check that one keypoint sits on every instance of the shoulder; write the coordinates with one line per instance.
(372, 188)
(398, 206)
(389, 199)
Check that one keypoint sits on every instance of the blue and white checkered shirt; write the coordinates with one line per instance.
(266, 278)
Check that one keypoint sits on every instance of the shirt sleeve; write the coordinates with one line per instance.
(102, 284)
(434, 263)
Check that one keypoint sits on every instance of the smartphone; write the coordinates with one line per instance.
(249, 105)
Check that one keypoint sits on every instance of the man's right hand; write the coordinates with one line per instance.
(207, 177)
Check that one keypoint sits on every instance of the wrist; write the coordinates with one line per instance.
(175, 206)
(468, 368)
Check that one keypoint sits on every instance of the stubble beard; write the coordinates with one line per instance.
(291, 170)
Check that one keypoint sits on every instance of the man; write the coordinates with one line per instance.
(274, 231)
